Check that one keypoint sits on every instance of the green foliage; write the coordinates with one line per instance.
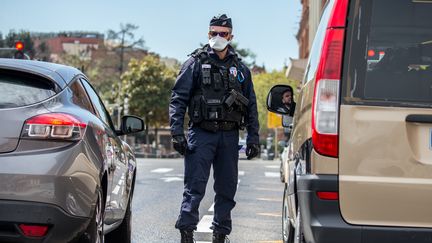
(23, 36)
(248, 57)
(147, 84)
(1, 40)
(263, 82)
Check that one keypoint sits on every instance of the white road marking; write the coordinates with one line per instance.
(202, 241)
(241, 173)
(272, 174)
(204, 224)
(211, 209)
(273, 166)
(162, 170)
(171, 179)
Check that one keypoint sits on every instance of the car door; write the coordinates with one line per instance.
(385, 158)
(117, 167)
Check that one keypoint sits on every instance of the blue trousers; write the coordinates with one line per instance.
(205, 149)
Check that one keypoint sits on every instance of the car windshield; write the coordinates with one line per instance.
(20, 90)
(392, 61)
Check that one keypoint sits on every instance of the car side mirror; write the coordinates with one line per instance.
(280, 100)
(131, 124)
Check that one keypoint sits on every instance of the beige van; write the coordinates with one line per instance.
(359, 163)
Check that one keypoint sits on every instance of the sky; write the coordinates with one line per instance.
(171, 28)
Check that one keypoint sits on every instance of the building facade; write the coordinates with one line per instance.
(310, 17)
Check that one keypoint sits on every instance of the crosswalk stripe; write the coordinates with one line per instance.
(211, 209)
(270, 199)
(171, 179)
(162, 170)
(271, 174)
(270, 214)
(241, 173)
(204, 224)
(273, 166)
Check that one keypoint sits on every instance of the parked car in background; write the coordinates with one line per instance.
(359, 163)
(65, 174)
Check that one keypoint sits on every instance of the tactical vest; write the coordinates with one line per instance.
(212, 99)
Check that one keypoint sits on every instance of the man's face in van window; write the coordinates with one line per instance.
(287, 97)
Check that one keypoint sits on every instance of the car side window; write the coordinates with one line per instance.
(98, 104)
(79, 96)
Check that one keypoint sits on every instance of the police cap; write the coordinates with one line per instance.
(221, 20)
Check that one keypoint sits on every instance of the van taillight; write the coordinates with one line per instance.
(328, 195)
(325, 105)
(53, 126)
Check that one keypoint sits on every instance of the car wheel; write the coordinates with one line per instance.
(94, 232)
(123, 232)
(287, 228)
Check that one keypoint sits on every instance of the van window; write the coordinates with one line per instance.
(388, 59)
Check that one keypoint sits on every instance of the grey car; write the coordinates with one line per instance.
(65, 175)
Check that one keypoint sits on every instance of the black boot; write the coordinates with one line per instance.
(187, 236)
(220, 238)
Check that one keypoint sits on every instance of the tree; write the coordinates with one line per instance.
(124, 38)
(147, 85)
(23, 36)
(262, 85)
(1, 40)
(43, 52)
(248, 57)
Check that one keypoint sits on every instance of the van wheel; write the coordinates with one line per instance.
(95, 232)
(287, 228)
(123, 232)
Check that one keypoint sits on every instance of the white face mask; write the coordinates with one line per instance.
(218, 43)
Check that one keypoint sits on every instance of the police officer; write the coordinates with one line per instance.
(216, 89)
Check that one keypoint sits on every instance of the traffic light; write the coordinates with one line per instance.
(19, 47)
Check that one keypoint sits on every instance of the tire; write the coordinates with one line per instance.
(122, 234)
(287, 228)
(94, 232)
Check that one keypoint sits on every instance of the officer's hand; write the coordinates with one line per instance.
(179, 143)
(252, 151)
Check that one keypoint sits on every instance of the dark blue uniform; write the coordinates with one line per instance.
(206, 148)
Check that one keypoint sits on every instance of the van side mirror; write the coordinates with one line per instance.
(280, 100)
(131, 124)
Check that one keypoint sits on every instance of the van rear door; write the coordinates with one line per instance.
(385, 146)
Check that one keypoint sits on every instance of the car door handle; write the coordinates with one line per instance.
(417, 118)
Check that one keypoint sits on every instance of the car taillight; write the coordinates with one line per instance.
(325, 104)
(33, 230)
(54, 126)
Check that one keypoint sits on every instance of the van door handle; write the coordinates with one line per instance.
(417, 118)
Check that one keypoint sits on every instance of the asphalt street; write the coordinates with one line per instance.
(158, 194)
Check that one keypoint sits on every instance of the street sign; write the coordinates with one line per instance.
(274, 120)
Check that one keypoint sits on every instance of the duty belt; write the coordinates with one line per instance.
(215, 126)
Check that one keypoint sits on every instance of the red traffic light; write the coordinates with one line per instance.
(19, 45)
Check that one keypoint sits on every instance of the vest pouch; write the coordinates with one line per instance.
(206, 74)
(214, 113)
(195, 111)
